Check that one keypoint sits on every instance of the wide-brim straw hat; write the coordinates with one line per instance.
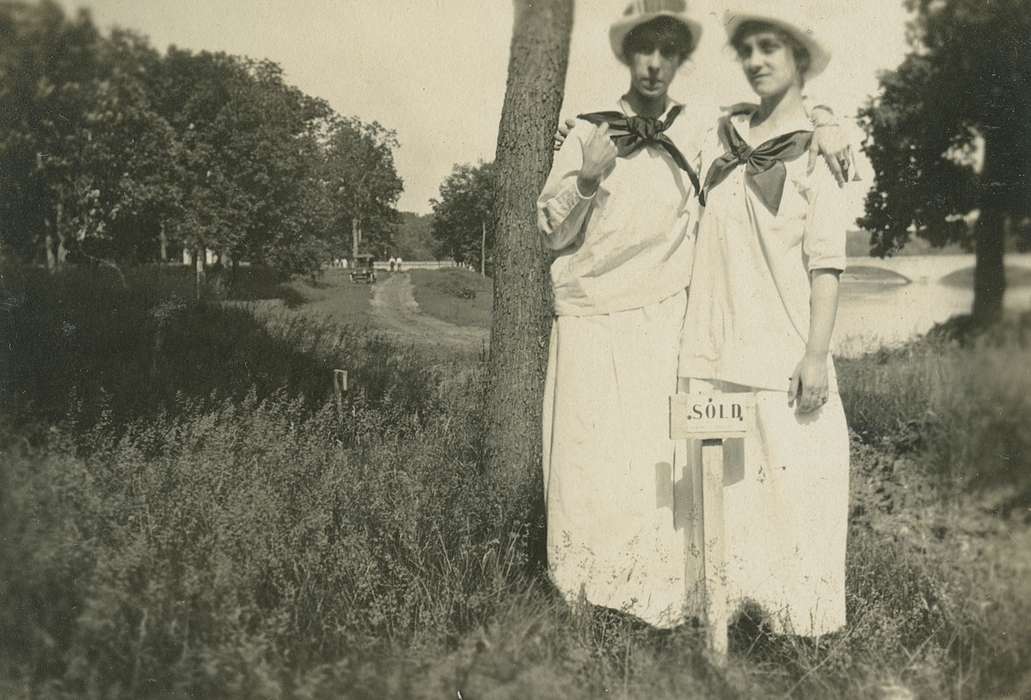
(639, 12)
(788, 20)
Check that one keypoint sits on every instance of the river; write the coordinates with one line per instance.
(885, 309)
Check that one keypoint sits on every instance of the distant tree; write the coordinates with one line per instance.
(50, 77)
(363, 186)
(112, 151)
(123, 158)
(950, 134)
(521, 320)
(414, 238)
(463, 213)
(249, 156)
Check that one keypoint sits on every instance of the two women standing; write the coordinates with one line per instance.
(623, 214)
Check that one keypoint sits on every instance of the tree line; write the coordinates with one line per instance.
(110, 150)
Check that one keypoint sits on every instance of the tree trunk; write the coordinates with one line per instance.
(522, 318)
(51, 253)
(483, 249)
(53, 241)
(198, 261)
(355, 238)
(164, 243)
(989, 271)
(990, 233)
(62, 251)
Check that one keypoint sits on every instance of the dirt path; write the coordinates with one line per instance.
(396, 313)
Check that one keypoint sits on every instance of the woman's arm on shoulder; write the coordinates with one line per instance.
(830, 141)
(562, 207)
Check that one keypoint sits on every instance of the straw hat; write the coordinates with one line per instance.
(788, 19)
(639, 12)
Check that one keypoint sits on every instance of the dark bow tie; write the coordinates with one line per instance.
(634, 133)
(765, 171)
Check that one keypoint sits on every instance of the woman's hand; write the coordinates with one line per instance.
(599, 158)
(563, 131)
(808, 388)
(829, 140)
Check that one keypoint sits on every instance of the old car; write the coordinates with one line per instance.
(362, 269)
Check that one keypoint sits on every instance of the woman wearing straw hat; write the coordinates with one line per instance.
(619, 208)
(771, 245)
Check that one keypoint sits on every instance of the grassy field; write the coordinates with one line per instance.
(454, 295)
(184, 514)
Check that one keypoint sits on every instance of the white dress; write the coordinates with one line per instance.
(747, 321)
(624, 261)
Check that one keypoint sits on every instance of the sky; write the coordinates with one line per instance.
(435, 70)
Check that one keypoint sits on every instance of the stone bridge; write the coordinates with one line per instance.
(931, 268)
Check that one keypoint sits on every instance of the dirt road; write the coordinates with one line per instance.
(396, 313)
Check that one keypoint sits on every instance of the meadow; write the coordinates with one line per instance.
(183, 513)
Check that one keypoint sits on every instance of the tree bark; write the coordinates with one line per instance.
(989, 270)
(199, 255)
(62, 251)
(49, 251)
(990, 233)
(522, 318)
(59, 230)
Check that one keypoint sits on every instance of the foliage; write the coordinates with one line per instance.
(465, 207)
(362, 185)
(414, 237)
(111, 150)
(949, 134)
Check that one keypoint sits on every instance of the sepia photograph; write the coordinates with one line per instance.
(509, 349)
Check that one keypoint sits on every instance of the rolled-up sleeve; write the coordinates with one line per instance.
(827, 222)
(561, 208)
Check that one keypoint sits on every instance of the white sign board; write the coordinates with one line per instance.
(709, 416)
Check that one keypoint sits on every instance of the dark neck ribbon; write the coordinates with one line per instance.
(765, 171)
(634, 133)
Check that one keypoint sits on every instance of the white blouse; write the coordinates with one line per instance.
(748, 312)
(631, 244)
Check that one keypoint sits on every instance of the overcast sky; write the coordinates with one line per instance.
(434, 70)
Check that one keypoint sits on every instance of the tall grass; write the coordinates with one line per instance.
(237, 538)
(963, 401)
(83, 347)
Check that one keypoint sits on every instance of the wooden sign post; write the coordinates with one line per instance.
(711, 418)
(339, 390)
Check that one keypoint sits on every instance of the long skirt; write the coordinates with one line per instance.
(785, 502)
(609, 470)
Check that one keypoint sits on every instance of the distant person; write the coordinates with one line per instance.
(391, 263)
(398, 261)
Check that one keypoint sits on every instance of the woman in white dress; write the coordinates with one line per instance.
(620, 220)
(620, 208)
(770, 249)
